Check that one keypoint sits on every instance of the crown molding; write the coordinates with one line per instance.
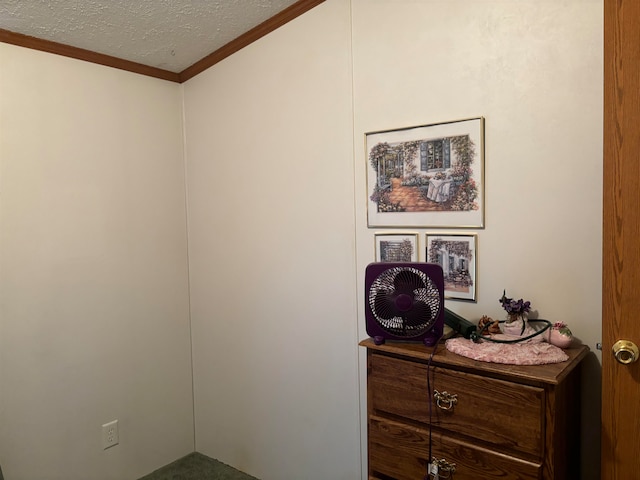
(268, 26)
(86, 55)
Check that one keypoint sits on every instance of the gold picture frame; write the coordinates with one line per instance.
(457, 255)
(396, 247)
(427, 176)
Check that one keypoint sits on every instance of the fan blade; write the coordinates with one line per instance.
(384, 306)
(407, 281)
(419, 313)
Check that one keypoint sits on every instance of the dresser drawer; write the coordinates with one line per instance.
(399, 451)
(504, 416)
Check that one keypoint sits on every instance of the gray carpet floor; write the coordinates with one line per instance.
(196, 466)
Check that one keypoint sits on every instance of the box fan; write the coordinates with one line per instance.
(404, 301)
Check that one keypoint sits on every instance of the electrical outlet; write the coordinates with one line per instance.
(110, 434)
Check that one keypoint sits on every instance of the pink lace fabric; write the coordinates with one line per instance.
(524, 353)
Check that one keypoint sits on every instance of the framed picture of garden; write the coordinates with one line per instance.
(456, 254)
(396, 247)
(427, 176)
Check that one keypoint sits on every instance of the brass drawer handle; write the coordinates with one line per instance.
(444, 469)
(445, 400)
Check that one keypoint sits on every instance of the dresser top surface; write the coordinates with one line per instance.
(552, 373)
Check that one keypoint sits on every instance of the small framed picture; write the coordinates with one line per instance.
(396, 247)
(456, 254)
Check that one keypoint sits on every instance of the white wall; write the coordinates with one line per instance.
(533, 69)
(93, 272)
(271, 249)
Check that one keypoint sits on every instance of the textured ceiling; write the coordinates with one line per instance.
(167, 34)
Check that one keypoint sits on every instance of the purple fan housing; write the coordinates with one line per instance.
(404, 301)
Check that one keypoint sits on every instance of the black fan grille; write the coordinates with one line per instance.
(404, 301)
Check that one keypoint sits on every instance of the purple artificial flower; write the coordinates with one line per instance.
(512, 306)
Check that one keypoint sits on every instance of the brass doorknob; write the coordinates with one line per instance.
(625, 351)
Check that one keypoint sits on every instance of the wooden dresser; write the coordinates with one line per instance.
(492, 421)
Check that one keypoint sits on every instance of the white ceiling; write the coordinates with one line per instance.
(167, 34)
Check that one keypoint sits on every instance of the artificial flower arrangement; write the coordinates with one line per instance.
(557, 334)
(516, 309)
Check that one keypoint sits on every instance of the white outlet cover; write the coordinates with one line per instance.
(110, 434)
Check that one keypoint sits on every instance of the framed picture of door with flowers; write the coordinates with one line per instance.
(427, 176)
(456, 254)
(396, 247)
